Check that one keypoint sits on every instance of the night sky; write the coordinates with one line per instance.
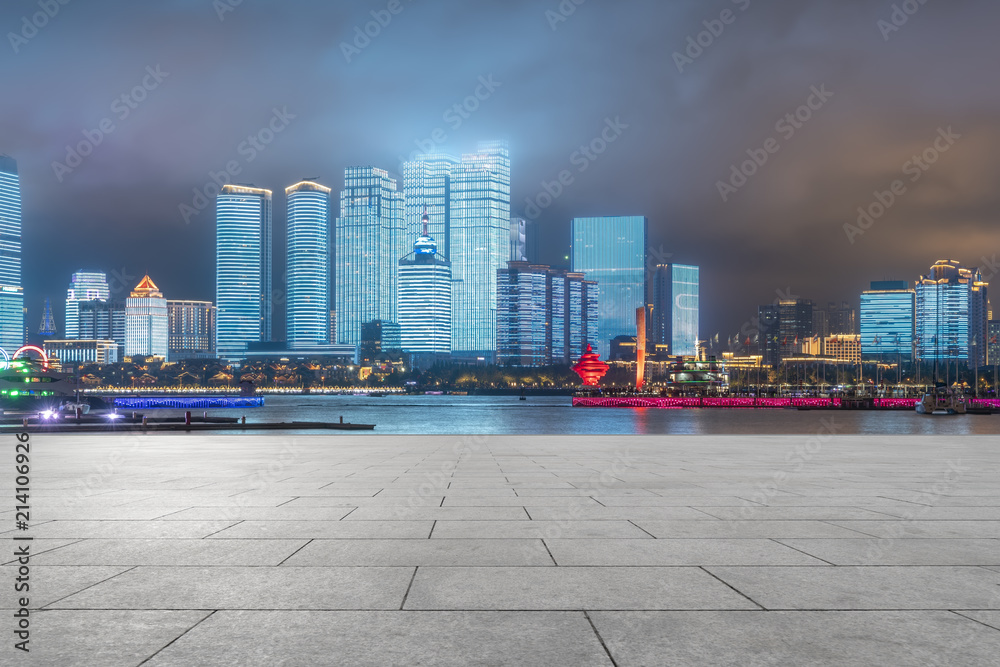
(554, 81)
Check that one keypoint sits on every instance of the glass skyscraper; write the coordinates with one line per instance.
(242, 269)
(425, 298)
(83, 286)
(427, 183)
(544, 316)
(479, 244)
(370, 241)
(951, 314)
(524, 327)
(887, 316)
(308, 264)
(612, 252)
(676, 296)
(11, 290)
(146, 321)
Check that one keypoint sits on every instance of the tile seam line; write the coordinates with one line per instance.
(731, 587)
(600, 639)
(777, 540)
(126, 571)
(175, 639)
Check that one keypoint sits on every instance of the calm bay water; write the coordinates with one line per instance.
(554, 415)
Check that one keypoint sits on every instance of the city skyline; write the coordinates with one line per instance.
(667, 132)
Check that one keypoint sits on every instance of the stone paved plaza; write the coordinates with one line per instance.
(501, 550)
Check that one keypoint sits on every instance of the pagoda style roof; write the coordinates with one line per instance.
(146, 288)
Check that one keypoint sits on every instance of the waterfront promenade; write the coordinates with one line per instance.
(342, 549)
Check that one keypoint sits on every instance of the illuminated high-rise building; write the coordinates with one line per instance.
(427, 184)
(146, 321)
(370, 241)
(952, 314)
(544, 316)
(612, 252)
(83, 286)
(190, 329)
(479, 244)
(675, 317)
(11, 290)
(887, 317)
(518, 239)
(308, 264)
(783, 326)
(424, 303)
(242, 269)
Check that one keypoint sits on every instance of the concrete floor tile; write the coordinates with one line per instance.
(248, 588)
(819, 639)
(931, 529)
(126, 529)
(402, 513)
(865, 588)
(539, 588)
(442, 552)
(588, 513)
(873, 551)
(326, 530)
(48, 583)
(519, 501)
(611, 552)
(821, 513)
(181, 552)
(106, 638)
(376, 639)
(535, 529)
(744, 529)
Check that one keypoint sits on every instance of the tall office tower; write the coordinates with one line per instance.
(333, 326)
(993, 345)
(12, 332)
(782, 328)
(951, 314)
(887, 321)
(821, 324)
(523, 315)
(146, 322)
(242, 269)
(94, 320)
(190, 329)
(612, 252)
(308, 264)
(675, 321)
(518, 239)
(582, 315)
(83, 286)
(479, 245)
(842, 319)
(424, 303)
(427, 183)
(544, 316)
(369, 244)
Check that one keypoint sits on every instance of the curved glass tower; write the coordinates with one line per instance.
(425, 297)
(308, 303)
(242, 269)
(11, 290)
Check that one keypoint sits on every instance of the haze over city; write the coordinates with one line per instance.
(171, 93)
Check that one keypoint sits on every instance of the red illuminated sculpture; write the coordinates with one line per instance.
(590, 368)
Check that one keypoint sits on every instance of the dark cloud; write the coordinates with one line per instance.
(557, 89)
